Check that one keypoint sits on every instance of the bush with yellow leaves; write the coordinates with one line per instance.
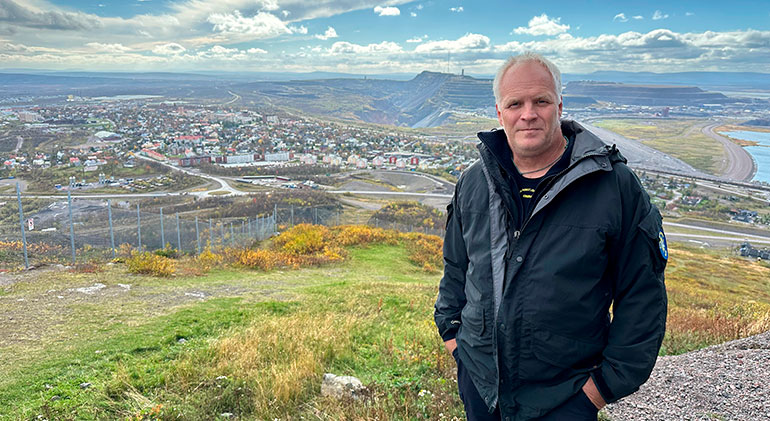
(151, 264)
(258, 258)
(349, 235)
(425, 250)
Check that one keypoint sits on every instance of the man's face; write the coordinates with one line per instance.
(529, 110)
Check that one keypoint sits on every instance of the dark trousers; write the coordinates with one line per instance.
(576, 408)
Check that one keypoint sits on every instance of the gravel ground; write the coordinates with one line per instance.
(730, 381)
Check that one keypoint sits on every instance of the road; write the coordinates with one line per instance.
(739, 164)
(224, 185)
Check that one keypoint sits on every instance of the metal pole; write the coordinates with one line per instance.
(197, 235)
(178, 234)
(232, 240)
(292, 216)
(162, 234)
(72, 229)
(138, 227)
(21, 222)
(211, 235)
(249, 224)
(112, 231)
(222, 229)
(275, 218)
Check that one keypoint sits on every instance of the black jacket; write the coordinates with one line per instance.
(528, 299)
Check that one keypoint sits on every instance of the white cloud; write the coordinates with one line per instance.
(344, 47)
(658, 15)
(412, 14)
(414, 40)
(387, 11)
(638, 17)
(256, 51)
(468, 42)
(169, 49)
(456, 9)
(419, 7)
(261, 26)
(330, 33)
(543, 25)
(108, 48)
(620, 17)
(220, 50)
(689, 14)
(27, 16)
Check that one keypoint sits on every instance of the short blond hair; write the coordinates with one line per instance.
(526, 58)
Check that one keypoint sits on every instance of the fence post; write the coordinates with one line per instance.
(249, 224)
(138, 227)
(72, 228)
(112, 232)
(162, 234)
(211, 235)
(178, 234)
(232, 240)
(197, 234)
(222, 229)
(21, 222)
(292, 216)
(275, 218)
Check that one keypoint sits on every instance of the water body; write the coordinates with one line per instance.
(761, 153)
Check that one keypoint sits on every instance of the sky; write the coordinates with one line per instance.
(379, 37)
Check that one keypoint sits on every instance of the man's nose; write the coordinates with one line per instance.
(528, 112)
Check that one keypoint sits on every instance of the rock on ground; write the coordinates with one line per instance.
(341, 387)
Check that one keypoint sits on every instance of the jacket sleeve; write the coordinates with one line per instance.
(639, 299)
(451, 294)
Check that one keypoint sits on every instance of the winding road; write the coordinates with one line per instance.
(738, 164)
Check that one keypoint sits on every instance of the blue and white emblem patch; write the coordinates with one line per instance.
(662, 245)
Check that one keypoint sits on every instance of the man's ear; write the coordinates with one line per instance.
(500, 117)
(561, 104)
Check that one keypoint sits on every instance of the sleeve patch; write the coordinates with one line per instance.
(663, 245)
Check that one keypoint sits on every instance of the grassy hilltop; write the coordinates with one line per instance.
(248, 334)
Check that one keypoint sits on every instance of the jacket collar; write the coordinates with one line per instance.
(586, 145)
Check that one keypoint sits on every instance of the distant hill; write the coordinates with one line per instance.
(427, 100)
(653, 95)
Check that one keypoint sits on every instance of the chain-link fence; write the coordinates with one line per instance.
(80, 230)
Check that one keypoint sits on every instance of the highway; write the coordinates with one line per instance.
(739, 165)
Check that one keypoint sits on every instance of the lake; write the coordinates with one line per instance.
(761, 153)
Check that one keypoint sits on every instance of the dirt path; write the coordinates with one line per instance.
(738, 164)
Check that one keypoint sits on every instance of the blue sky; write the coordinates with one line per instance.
(362, 36)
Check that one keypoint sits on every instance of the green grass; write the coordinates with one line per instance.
(376, 311)
(679, 138)
(258, 347)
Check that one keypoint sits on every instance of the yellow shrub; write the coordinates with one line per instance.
(303, 239)
(207, 260)
(362, 234)
(150, 263)
(259, 258)
(425, 250)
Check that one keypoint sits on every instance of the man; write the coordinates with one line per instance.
(544, 233)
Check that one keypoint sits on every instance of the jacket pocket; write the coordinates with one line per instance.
(551, 354)
(473, 320)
